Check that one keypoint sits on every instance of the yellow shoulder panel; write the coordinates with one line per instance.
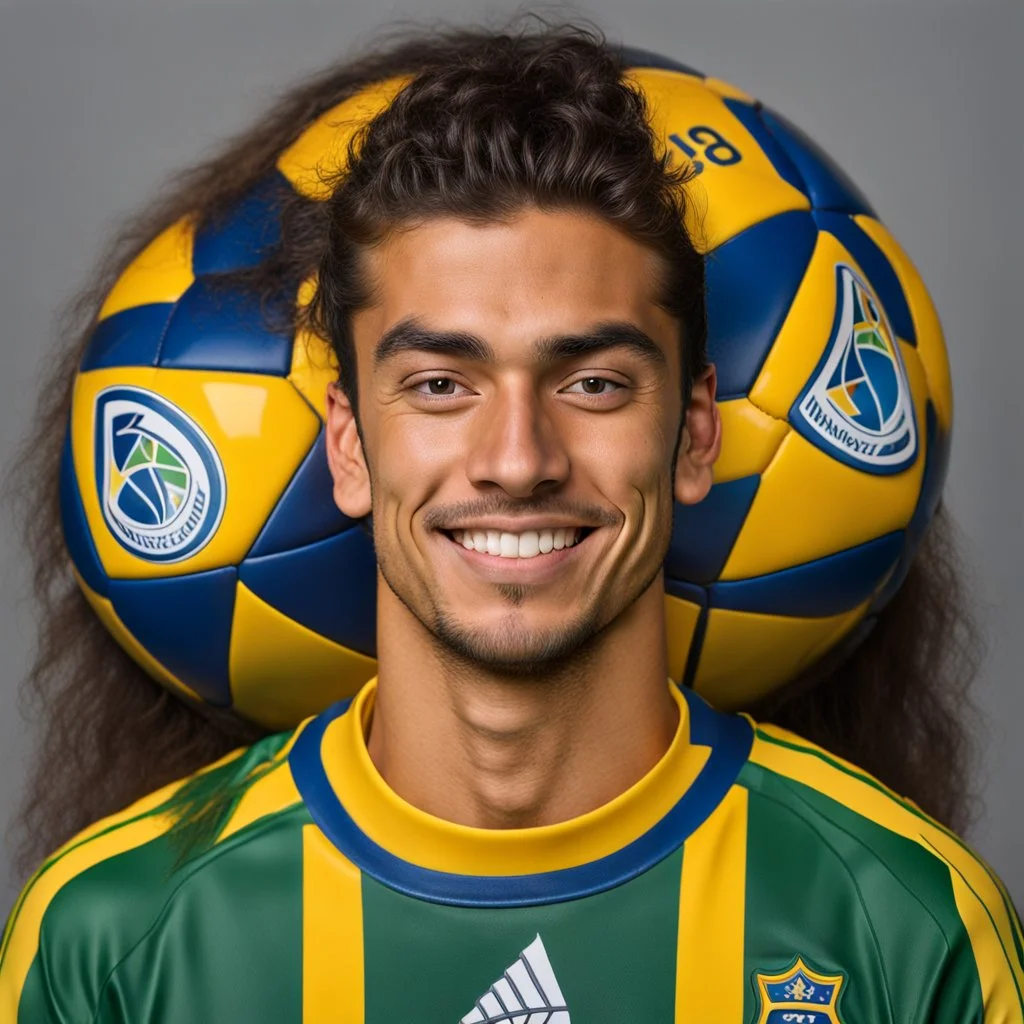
(981, 901)
(273, 791)
(140, 823)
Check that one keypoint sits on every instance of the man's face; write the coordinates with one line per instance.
(520, 407)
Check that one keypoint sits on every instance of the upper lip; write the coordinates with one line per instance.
(521, 524)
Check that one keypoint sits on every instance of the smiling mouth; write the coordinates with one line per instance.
(528, 544)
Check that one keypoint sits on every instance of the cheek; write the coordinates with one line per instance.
(416, 456)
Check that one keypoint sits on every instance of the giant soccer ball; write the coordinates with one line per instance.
(197, 504)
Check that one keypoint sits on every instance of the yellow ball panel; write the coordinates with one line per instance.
(680, 622)
(321, 150)
(810, 505)
(281, 672)
(931, 345)
(162, 272)
(750, 438)
(105, 610)
(259, 426)
(804, 334)
(726, 198)
(313, 368)
(746, 655)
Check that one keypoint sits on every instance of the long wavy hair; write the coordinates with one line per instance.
(108, 734)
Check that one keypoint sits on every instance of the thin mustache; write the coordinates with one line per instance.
(440, 516)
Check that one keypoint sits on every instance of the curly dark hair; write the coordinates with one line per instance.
(108, 733)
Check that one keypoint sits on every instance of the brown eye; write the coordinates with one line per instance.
(439, 387)
(595, 386)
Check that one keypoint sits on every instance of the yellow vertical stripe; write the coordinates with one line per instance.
(332, 934)
(709, 976)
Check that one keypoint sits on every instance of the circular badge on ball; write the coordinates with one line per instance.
(159, 478)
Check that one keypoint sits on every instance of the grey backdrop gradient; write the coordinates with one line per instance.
(919, 100)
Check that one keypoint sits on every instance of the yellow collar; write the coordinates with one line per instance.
(417, 852)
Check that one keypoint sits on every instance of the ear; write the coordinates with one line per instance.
(345, 456)
(701, 441)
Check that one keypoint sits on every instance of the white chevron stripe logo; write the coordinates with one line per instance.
(527, 993)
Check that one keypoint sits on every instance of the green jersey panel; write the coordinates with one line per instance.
(749, 878)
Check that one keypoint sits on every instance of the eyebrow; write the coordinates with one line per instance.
(410, 335)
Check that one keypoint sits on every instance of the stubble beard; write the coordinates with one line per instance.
(512, 649)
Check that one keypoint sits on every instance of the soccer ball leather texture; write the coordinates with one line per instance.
(195, 494)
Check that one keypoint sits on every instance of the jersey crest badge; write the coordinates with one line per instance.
(857, 405)
(528, 990)
(798, 995)
(160, 480)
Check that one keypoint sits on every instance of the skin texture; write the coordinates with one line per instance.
(502, 682)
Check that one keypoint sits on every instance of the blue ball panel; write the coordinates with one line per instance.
(826, 182)
(330, 587)
(751, 282)
(185, 623)
(880, 273)
(245, 234)
(129, 338)
(703, 534)
(747, 115)
(826, 586)
(219, 328)
(306, 511)
(696, 646)
(634, 57)
(77, 537)
(692, 592)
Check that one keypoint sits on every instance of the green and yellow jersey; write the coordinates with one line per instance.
(748, 877)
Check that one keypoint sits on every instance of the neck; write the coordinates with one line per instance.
(480, 748)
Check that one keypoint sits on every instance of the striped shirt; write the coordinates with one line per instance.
(750, 878)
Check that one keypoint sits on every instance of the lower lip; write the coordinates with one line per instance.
(518, 568)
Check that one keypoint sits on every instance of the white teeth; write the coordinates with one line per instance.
(528, 544)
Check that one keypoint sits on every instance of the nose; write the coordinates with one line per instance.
(516, 444)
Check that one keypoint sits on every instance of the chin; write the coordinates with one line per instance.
(513, 647)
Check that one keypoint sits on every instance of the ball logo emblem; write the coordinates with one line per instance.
(160, 480)
(857, 405)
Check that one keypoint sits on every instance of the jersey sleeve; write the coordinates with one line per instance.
(71, 919)
(982, 980)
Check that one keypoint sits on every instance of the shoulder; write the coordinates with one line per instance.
(91, 902)
(908, 878)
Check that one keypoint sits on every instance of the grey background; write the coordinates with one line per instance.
(917, 99)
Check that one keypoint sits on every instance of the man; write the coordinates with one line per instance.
(522, 819)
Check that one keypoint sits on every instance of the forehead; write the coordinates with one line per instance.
(538, 274)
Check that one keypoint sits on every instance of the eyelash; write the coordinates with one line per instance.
(421, 387)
